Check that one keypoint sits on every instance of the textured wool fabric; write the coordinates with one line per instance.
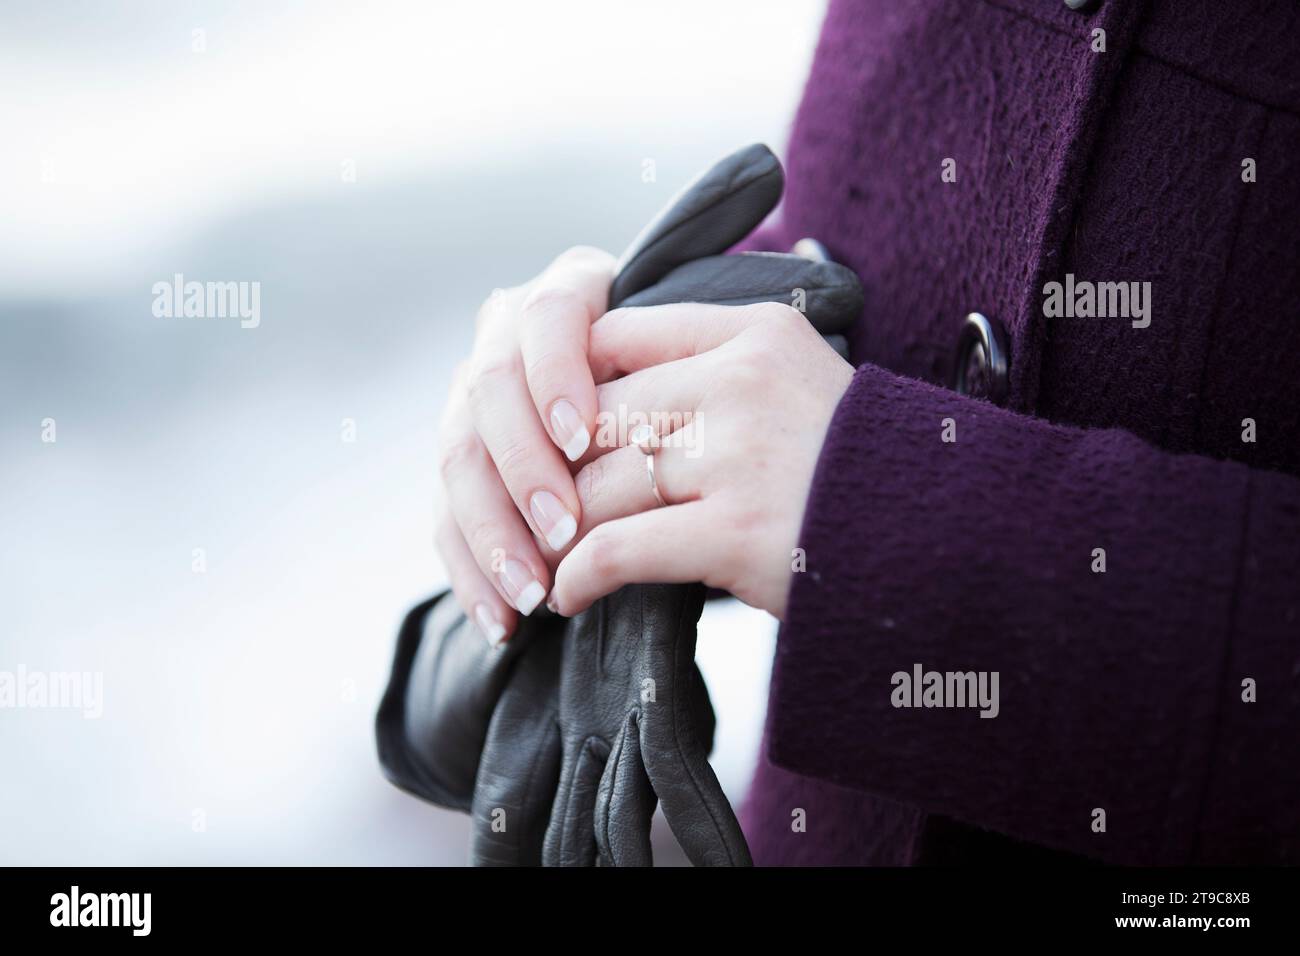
(1120, 691)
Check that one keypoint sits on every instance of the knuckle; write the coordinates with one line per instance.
(512, 460)
(490, 306)
(749, 374)
(544, 373)
(613, 317)
(778, 313)
(550, 298)
(483, 536)
(604, 555)
(488, 376)
(746, 518)
(590, 483)
(459, 452)
(583, 255)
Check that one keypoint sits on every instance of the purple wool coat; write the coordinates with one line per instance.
(1120, 691)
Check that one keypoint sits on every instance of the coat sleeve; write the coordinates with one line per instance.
(1126, 690)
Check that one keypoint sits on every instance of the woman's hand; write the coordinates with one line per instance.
(523, 404)
(758, 387)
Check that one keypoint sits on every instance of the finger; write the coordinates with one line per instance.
(625, 803)
(474, 593)
(495, 534)
(663, 546)
(627, 340)
(531, 469)
(618, 484)
(663, 398)
(554, 326)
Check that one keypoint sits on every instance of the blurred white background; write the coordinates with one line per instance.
(144, 139)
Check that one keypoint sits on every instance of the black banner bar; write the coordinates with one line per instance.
(364, 905)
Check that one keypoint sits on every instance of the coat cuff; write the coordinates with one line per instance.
(945, 533)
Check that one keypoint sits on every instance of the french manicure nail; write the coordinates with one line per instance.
(570, 430)
(554, 520)
(492, 629)
(524, 590)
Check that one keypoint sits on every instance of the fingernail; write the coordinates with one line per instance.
(524, 590)
(570, 430)
(492, 629)
(551, 605)
(554, 520)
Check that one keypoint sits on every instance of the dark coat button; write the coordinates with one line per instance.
(983, 361)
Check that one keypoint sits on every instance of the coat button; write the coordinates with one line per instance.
(1081, 5)
(982, 360)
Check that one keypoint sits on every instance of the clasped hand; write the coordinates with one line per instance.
(546, 500)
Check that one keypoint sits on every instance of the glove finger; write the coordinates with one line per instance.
(709, 216)
(520, 768)
(571, 835)
(676, 736)
(698, 812)
(625, 803)
(828, 293)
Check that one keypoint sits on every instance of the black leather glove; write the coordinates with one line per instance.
(515, 788)
(462, 724)
(631, 738)
(444, 686)
(708, 216)
(828, 293)
(475, 728)
(627, 662)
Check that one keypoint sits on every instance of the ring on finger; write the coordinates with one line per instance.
(643, 437)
